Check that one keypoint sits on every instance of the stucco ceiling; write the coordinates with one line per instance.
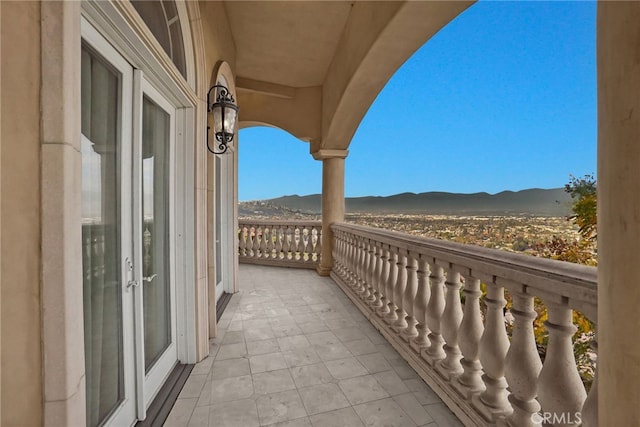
(309, 30)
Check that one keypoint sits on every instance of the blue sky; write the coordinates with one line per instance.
(503, 98)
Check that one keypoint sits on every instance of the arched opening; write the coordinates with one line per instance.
(274, 163)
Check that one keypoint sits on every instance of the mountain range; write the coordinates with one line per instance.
(537, 202)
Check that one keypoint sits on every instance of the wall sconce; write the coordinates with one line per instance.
(225, 114)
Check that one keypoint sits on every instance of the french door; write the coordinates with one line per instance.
(127, 146)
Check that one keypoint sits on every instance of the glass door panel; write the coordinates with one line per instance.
(155, 305)
(106, 80)
(155, 231)
(218, 226)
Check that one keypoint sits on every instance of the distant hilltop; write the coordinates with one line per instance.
(532, 202)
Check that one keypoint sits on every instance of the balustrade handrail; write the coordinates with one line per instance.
(577, 283)
(426, 297)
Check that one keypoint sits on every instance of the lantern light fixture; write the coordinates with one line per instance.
(225, 113)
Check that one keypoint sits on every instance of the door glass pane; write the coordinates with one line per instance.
(155, 231)
(101, 237)
(218, 219)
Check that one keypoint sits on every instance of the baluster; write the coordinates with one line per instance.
(255, 247)
(288, 243)
(523, 362)
(353, 261)
(590, 407)
(435, 308)
(383, 310)
(398, 294)
(344, 264)
(304, 246)
(471, 328)
(371, 267)
(264, 243)
(409, 297)
(318, 251)
(360, 268)
(560, 389)
(391, 282)
(271, 243)
(494, 344)
(450, 324)
(295, 241)
(242, 240)
(337, 258)
(279, 242)
(377, 300)
(261, 242)
(366, 265)
(420, 306)
(256, 241)
(250, 238)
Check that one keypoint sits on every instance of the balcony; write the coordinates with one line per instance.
(430, 330)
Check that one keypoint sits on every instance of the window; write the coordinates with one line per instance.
(162, 19)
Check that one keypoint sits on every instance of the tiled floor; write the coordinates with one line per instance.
(293, 351)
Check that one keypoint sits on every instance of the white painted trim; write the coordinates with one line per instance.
(187, 40)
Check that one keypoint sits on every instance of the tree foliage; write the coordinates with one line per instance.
(582, 251)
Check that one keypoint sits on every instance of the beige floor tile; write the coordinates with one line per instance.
(231, 351)
(267, 362)
(383, 413)
(193, 387)
(200, 417)
(262, 347)
(181, 413)
(346, 368)
(286, 330)
(413, 408)
(234, 414)
(293, 343)
(258, 334)
(273, 382)
(359, 347)
(323, 398)
(349, 334)
(301, 357)
(442, 415)
(323, 338)
(346, 417)
(308, 375)
(332, 351)
(313, 327)
(362, 389)
(230, 368)
(391, 382)
(281, 406)
(374, 362)
(298, 422)
(234, 388)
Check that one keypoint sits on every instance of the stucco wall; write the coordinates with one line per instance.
(20, 215)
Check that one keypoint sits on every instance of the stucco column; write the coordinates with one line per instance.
(332, 201)
(618, 35)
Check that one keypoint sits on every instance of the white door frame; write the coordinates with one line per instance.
(106, 20)
(127, 408)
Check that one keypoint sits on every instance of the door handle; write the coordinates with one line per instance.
(150, 278)
(129, 267)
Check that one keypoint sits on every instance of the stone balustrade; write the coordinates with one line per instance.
(280, 243)
(425, 296)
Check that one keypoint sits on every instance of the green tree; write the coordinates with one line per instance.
(585, 212)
